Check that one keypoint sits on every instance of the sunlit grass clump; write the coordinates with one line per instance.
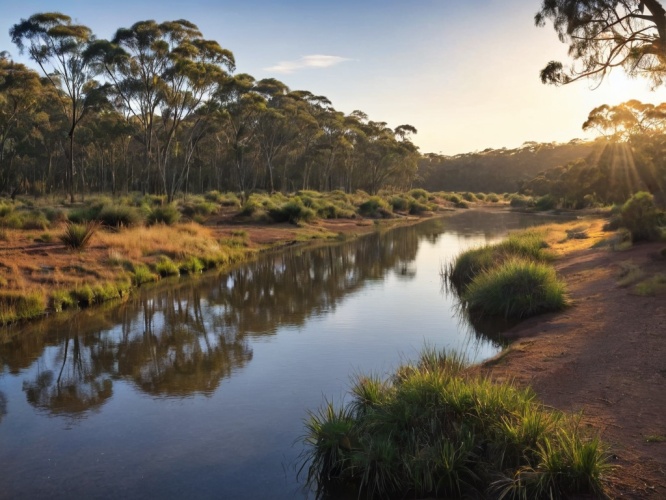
(517, 288)
(77, 236)
(434, 429)
(15, 306)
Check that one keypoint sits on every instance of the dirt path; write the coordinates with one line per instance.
(604, 357)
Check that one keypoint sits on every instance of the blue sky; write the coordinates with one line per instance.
(465, 74)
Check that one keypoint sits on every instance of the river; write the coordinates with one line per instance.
(198, 388)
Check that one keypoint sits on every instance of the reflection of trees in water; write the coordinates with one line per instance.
(74, 383)
(185, 339)
(3, 405)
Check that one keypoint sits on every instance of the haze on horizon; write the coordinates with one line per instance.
(465, 75)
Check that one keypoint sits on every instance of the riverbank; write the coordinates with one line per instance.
(604, 356)
(40, 275)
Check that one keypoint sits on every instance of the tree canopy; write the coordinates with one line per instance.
(607, 34)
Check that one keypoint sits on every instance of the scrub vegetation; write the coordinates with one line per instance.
(437, 429)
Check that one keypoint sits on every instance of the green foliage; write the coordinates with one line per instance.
(119, 216)
(293, 211)
(163, 214)
(419, 194)
(141, 274)
(77, 236)
(466, 266)
(546, 202)
(166, 267)
(35, 220)
(191, 265)
(61, 300)
(6, 209)
(198, 207)
(520, 201)
(434, 429)
(375, 207)
(470, 197)
(399, 203)
(641, 217)
(515, 289)
(492, 198)
(15, 306)
(83, 295)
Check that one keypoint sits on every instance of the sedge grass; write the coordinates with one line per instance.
(516, 289)
(436, 429)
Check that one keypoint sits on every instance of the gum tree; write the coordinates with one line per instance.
(58, 46)
(607, 34)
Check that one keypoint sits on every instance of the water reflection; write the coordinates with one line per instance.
(184, 339)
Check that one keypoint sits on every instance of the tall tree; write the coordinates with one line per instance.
(58, 47)
(607, 34)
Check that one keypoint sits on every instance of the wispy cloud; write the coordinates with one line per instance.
(313, 61)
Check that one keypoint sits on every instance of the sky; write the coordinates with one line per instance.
(464, 73)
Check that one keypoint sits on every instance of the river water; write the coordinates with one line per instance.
(199, 388)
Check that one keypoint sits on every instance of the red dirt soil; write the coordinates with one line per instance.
(606, 358)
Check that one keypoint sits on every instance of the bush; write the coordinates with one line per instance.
(166, 214)
(119, 215)
(417, 208)
(419, 194)
(77, 236)
(470, 197)
(492, 198)
(516, 289)
(435, 430)
(399, 203)
(292, 211)
(142, 274)
(520, 201)
(374, 207)
(641, 217)
(546, 202)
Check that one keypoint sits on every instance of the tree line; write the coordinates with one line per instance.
(158, 109)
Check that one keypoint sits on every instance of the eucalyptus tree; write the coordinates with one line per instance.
(607, 34)
(20, 93)
(242, 107)
(628, 119)
(59, 48)
(163, 74)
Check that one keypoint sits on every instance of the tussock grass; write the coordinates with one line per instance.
(435, 429)
(77, 236)
(166, 267)
(517, 288)
(652, 286)
(163, 214)
(119, 215)
(15, 306)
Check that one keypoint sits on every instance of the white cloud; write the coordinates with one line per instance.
(313, 61)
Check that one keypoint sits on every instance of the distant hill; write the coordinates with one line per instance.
(499, 170)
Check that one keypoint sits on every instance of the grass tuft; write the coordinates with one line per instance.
(77, 236)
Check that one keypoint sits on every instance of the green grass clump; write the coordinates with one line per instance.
(435, 430)
(141, 274)
(469, 197)
(6, 209)
(83, 295)
(163, 214)
(375, 207)
(516, 289)
(399, 203)
(77, 236)
(191, 265)
(61, 300)
(652, 286)
(520, 201)
(417, 207)
(419, 194)
(35, 220)
(526, 244)
(84, 214)
(199, 207)
(293, 211)
(546, 202)
(492, 198)
(166, 267)
(119, 216)
(453, 198)
(15, 306)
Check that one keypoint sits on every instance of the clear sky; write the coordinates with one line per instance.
(464, 73)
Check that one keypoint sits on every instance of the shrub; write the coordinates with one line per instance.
(416, 207)
(119, 215)
(164, 214)
(399, 203)
(516, 289)
(641, 217)
(77, 236)
(292, 211)
(61, 300)
(435, 430)
(492, 198)
(546, 202)
(419, 194)
(481, 196)
(374, 207)
(520, 201)
(35, 220)
(470, 197)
